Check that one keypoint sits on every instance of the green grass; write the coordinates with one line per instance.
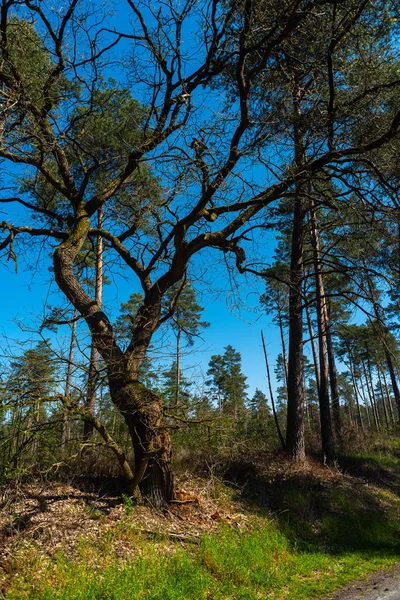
(262, 563)
(323, 534)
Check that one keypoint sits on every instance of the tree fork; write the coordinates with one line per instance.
(140, 408)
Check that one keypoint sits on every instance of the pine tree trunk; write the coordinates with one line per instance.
(393, 379)
(94, 354)
(278, 429)
(313, 345)
(65, 435)
(366, 406)
(140, 408)
(352, 421)
(295, 443)
(178, 367)
(323, 391)
(285, 365)
(370, 398)
(356, 393)
(384, 403)
(388, 396)
(333, 379)
(371, 385)
(142, 412)
(384, 331)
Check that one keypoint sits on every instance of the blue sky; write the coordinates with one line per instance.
(25, 292)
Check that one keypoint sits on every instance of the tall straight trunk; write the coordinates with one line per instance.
(94, 354)
(295, 443)
(356, 393)
(352, 421)
(13, 445)
(395, 387)
(388, 396)
(371, 399)
(306, 405)
(285, 365)
(295, 410)
(313, 345)
(366, 404)
(368, 396)
(333, 378)
(36, 421)
(178, 367)
(65, 434)
(278, 429)
(371, 385)
(17, 428)
(323, 391)
(384, 333)
(384, 403)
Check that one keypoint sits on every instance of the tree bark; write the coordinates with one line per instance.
(178, 367)
(323, 390)
(278, 429)
(140, 407)
(65, 434)
(142, 411)
(393, 379)
(366, 407)
(285, 365)
(313, 345)
(371, 385)
(295, 443)
(388, 396)
(384, 403)
(384, 331)
(94, 353)
(356, 392)
(333, 379)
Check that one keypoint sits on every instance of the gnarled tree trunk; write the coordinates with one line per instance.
(142, 412)
(139, 406)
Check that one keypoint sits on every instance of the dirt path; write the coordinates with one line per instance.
(384, 585)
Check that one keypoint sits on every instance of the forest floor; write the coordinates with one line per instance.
(266, 529)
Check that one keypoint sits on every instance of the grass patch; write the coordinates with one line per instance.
(262, 563)
(326, 530)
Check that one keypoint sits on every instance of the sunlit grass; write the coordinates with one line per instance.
(322, 537)
(229, 565)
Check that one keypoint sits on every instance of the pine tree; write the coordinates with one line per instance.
(30, 390)
(228, 382)
(259, 410)
(185, 321)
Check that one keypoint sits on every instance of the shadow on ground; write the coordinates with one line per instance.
(352, 508)
(98, 494)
